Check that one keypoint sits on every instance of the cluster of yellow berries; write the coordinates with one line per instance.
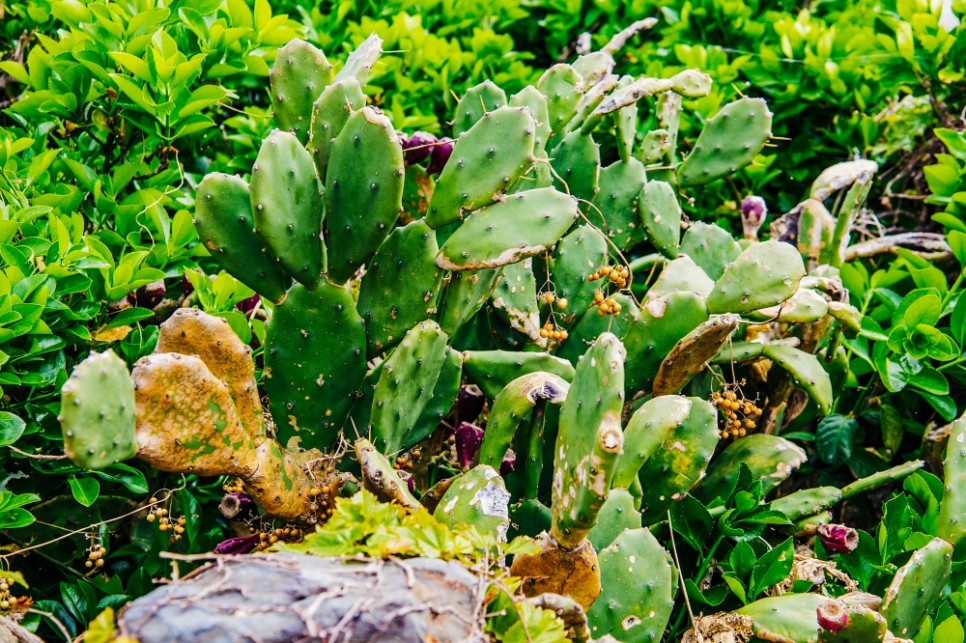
(605, 305)
(551, 298)
(165, 524)
(735, 426)
(556, 334)
(269, 537)
(7, 600)
(95, 557)
(233, 485)
(616, 274)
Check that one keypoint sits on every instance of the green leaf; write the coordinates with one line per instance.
(126, 475)
(949, 631)
(772, 568)
(85, 490)
(692, 521)
(834, 438)
(742, 559)
(925, 309)
(890, 424)
(11, 428)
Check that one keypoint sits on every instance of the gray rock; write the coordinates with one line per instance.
(290, 597)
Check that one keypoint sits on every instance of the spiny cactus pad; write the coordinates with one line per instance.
(97, 412)
(330, 112)
(299, 75)
(477, 101)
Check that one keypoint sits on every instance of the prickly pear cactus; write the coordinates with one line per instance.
(97, 412)
(299, 75)
(916, 586)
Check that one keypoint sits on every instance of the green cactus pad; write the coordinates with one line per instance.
(638, 589)
(576, 165)
(315, 361)
(617, 515)
(739, 353)
(578, 255)
(360, 61)
(729, 141)
(529, 517)
(626, 125)
(299, 75)
(477, 101)
(363, 190)
(563, 86)
(691, 83)
(223, 216)
(789, 617)
(515, 298)
(594, 66)
(440, 402)
(409, 376)
(492, 371)
(654, 146)
(186, 419)
(486, 160)
(807, 371)
(329, 115)
(287, 206)
(661, 324)
(591, 324)
(479, 499)
(589, 441)
(764, 275)
(690, 355)
(681, 275)
(710, 246)
(648, 430)
(464, 295)
(916, 587)
(807, 502)
(511, 410)
(531, 98)
(401, 285)
(661, 216)
(617, 202)
(97, 412)
(771, 460)
(805, 306)
(379, 477)
(520, 226)
(679, 465)
(952, 509)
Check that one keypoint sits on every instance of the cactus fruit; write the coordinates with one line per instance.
(770, 459)
(223, 216)
(477, 498)
(363, 190)
(729, 141)
(617, 201)
(661, 216)
(97, 412)
(692, 352)
(519, 226)
(401, 286)
(952, 509)
(287, 205)
(486, 159)
(841, 623)
(631, 608)
(315, 361)
(477, 101)
(764, 275)
(916, 586)
(330, 112)
(299, 75)
(492, 371)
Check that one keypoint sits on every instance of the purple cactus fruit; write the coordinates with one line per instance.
(418, 147)
(469, 403)
(148, 295)
(237, 506)
(407, 477)
(753, 212)
(838, 538)
(239, 545)
(509, 463)
(246, 306)
(440, 155)
(469, 437)
(833, 617)
(186, 286)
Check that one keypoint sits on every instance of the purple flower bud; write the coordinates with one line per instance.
(246, 306)
(469, 403)
(509, 463)
(838, 538)
(440, 155)
(148, 295)
(186, 286)
(753, 211)
(469, 437)
(407, 477)
(418, 147)
(237, 506)
(833, 617)
(239, 545)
